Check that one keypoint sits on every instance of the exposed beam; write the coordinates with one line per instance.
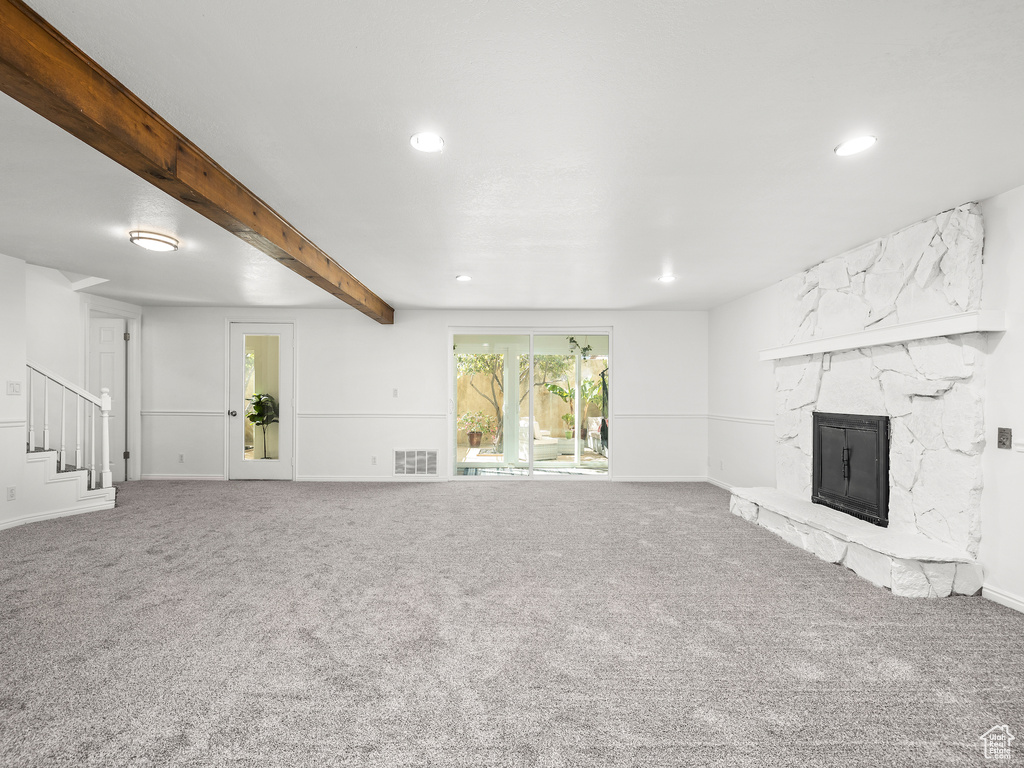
(48, 74)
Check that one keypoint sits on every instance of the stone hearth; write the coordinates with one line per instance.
(908, 564)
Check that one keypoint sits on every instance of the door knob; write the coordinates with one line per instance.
(232, 413)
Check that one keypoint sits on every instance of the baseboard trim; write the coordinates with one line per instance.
(105, 504)
(184, 477)
(723, 485)
(1003, 598)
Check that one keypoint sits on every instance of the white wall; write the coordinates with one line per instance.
(12, 368)
(54, 335)
(1002, 512)
(741, 389)
(348, 366)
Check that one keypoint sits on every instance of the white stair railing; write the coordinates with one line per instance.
(87, 408)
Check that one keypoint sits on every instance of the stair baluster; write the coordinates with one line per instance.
(62, 454)
(31, 414)
(79, 425)
(92, 448)
(46, 413)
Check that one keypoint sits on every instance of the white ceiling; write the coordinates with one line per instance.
(590, 144)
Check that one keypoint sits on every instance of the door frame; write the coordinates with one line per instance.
(132, 315)
(531, 331)
(292, 410)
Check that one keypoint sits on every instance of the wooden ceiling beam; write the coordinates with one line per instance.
(51, 76)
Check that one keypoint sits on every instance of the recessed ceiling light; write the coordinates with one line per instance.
(463, 278)
(427, 142)
(152, 241)
(666, 278)
(853, 146)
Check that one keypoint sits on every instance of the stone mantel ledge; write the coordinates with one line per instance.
(911, 565)
(965, 322)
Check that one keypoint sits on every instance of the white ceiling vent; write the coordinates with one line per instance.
(416, 462)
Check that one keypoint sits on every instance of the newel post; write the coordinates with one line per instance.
(105, 474)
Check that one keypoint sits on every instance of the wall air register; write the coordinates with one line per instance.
(416, 462)
(851, 465)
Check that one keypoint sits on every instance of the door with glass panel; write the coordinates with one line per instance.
(517, 415)
(260, 409)
(491, 391)
(570, 404)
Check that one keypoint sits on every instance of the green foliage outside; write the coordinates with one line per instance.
(477, 421)
(262, 412)
(486, 375)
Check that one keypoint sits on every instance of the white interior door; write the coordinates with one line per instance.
(107, 347)
(260, 364)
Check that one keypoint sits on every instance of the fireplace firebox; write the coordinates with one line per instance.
(851, 465)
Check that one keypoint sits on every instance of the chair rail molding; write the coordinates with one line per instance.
(742, 419)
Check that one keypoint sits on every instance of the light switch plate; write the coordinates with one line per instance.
(13, 387)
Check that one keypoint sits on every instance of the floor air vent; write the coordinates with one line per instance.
(416, 462)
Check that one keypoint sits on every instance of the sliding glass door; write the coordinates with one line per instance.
(570, 376)
(518, 413)
(491, 380)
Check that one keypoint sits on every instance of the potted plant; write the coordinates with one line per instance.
(476, 423)
(262, 412)
(570, 425)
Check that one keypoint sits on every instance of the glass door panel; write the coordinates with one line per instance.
(262, 394)
(570, 378)
(490, 376)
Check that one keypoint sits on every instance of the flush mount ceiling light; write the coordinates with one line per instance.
(427, 142)
(853, 146)
(666, 278)
(152, 241)
(463, 278)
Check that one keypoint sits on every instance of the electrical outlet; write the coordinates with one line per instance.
(394, 392)
(1005, 438)
(181, 458)
(13, 387)
(12, 492)
(721, 464)
(373, 461)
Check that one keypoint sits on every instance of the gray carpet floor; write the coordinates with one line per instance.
(475, 624)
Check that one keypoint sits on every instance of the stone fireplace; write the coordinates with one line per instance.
(891, 329)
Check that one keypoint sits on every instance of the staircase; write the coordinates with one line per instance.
(68, 448)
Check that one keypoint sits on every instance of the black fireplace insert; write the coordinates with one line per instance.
(851, 465)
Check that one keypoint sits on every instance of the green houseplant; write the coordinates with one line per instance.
(476, 423)
(262, 412)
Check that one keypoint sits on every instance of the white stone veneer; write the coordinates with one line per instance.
(932, 390)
